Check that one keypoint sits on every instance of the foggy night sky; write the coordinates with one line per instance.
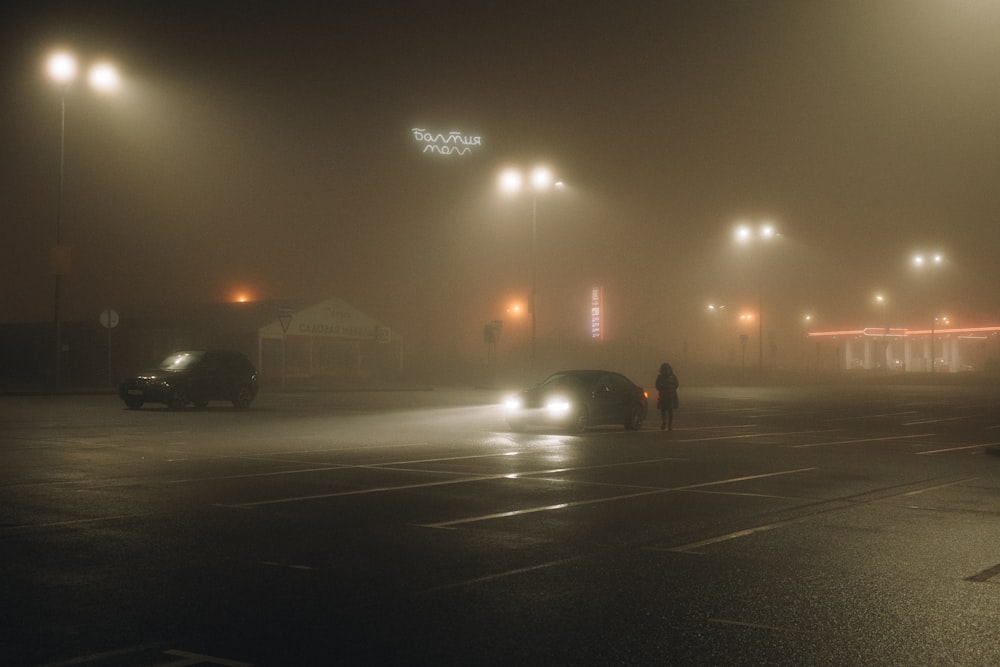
(267, 146)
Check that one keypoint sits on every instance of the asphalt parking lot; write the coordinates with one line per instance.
(848, 524)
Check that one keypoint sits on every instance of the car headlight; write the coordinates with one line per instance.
(558, 406)
(512, 403)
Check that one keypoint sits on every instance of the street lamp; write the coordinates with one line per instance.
(62, 69)
(717, 311)
(757, 234)
(926, 262)
(921, 260)
(539, 180)
(881, 300)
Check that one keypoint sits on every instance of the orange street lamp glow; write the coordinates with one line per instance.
(241, 296)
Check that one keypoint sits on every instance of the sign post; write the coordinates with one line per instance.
(109, 320)
(285, 318)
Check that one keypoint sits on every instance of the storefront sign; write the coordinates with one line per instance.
(453, 143)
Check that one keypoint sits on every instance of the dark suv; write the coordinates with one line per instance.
(196, 377)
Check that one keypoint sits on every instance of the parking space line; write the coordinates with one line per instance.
(106, 655)
(855, 442)
(693, 546)
(404, 487)
(251, 475)
(759, 434)
(73, 522)
(934, 421)
(939, 486)
(544, 508)
(361, 492)
(875, 416)
(189, 658)
(957, 449)
(501, 575)
(744, 624)
(328, 467)
(595, 501)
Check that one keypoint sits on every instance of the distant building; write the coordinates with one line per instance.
(321, 343)
(946, 349)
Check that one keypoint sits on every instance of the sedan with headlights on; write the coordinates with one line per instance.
(578, 399)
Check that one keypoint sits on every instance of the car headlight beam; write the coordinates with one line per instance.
(512, 403)
(558, 406)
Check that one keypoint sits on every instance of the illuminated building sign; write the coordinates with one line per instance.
(453, 143)
(597, 313)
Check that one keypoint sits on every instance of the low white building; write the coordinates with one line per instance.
(946, 349)
(330, 340)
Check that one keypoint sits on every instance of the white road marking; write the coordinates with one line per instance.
(957, 449)
(934, 421)
(854, 442)
(939, 486)
(199, 659)
(594, 501)
(95, 657)
(691, 547)
(75, 522)
(745, 436)
(756, 626)
(421, 485)
(876, 416)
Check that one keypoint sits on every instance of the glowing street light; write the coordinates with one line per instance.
(716, 312)
(758, 234)
(104, 77)
(925, 262)
(539, 180)
(921, 260)
(62, 69)
(880, 299)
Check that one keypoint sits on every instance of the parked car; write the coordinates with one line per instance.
(578, 399)
(194, 376)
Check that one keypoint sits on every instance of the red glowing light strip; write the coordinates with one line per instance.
(876, 331)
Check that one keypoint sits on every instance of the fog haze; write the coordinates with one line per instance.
(267, 148)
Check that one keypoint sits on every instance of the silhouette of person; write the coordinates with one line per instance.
(666, 401)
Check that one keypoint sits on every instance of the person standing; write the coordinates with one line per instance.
(666, 401)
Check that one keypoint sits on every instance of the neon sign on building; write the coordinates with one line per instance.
(453, 143)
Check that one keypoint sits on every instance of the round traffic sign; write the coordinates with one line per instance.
(109, 319)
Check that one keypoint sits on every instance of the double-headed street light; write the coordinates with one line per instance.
(62, 69)
(921, 260)
(539, 180)
(758, 234)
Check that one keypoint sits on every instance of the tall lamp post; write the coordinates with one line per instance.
(539, 180)
(62, 69)
(757, 234)
(717, 312)
(925, 262)
(881, 300)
